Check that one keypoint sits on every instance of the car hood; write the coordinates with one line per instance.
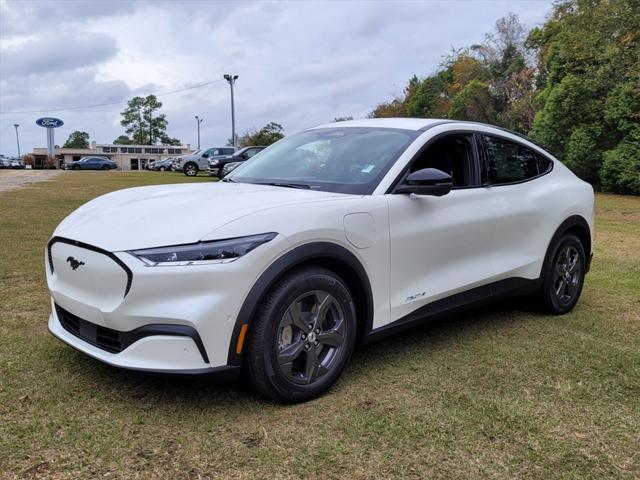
(162, 215)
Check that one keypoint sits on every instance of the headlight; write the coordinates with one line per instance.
(213, 163)
(218, 251)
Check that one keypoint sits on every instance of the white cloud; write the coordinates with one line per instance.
(300, 63)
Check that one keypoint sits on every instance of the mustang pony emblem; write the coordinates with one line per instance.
(74, 263)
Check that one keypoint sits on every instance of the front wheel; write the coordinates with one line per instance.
(190, 170)
(162, 169)
(563, 276)
(302, 337)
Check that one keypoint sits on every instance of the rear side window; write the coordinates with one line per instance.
(508, 162)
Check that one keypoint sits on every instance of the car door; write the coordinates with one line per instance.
(91, 164)
(525, 206)
(440, 246)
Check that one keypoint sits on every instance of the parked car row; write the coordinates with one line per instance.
(15, 163)
(199, 160)
(217, 164)
(217, 161)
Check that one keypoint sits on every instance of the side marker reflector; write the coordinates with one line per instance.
(243, 333)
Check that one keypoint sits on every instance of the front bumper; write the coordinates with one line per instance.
(154, 353)
(177, 319)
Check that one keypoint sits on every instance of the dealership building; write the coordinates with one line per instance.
(128, 157)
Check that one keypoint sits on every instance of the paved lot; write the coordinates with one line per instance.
(12, 179)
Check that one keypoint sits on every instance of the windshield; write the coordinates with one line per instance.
(341, 159)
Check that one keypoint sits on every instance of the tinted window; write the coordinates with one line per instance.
(509, 162)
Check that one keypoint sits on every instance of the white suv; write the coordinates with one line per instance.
(199, 160)
(337, 236)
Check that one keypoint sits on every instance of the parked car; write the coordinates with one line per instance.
(198, 160)
(228, 168)
(92, 163)
(339, 235)
(16, 163)
(217, 164)
(162, 165)
(5, 162)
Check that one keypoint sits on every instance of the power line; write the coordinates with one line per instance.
(80, 107)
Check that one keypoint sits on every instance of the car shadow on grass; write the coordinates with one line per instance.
(206, 391)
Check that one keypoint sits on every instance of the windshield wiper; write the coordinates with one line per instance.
(286, 185)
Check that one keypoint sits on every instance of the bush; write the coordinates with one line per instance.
(620, 171)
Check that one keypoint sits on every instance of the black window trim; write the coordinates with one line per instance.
(475, 166)
(521, 144)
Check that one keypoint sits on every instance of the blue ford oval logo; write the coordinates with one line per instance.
(49, 122)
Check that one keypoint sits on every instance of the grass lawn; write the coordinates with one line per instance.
(496, 393)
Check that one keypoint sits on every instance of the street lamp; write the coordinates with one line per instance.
(232, 79)
(199, 120)
(17, 138)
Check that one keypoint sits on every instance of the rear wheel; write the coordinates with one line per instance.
(162, 169)
(190, 170)
(303, 336)
(563, 276)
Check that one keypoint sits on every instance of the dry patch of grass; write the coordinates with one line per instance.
(496, 393)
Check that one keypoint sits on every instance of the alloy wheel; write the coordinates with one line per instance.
(566, 275)
(310, 337)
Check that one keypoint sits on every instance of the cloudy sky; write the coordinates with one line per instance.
(300, 63)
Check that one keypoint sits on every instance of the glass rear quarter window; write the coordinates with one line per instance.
(509, 162)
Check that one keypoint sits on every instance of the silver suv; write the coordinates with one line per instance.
(198, 160)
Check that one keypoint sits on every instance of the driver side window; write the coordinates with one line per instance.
(452, 154)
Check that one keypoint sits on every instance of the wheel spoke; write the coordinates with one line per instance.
(312, 366)
(296, 317)
(560, 288)
(333, 337)
(574, 264)
(322, 306)
(290, 352)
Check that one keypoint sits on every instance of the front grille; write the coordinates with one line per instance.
(101, 337)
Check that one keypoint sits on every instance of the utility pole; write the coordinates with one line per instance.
(17, 138)
(199, 120)
(232, 79)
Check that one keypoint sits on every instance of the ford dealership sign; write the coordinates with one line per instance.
(48, 122)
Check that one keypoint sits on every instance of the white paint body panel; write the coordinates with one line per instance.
(414, 250)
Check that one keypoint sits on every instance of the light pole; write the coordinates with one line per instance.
(232, 79)
(17, 138)
(199, 120)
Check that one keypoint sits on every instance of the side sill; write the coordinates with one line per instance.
(459, 302)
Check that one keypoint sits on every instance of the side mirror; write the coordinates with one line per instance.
(428, 181)
(205, 155)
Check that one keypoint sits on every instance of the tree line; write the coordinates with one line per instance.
(572, 84)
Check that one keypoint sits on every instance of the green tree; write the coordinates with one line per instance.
(143, 124)
(123, 140)
(77, 139)
(270, 133)
(589, 94)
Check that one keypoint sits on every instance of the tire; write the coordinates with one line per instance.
(76, 167)
(105, 167)
(162, 169)
(190, 169)
(563, 276)
(289, 361)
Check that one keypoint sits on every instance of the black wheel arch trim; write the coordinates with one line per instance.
(568, 224)
(299, 255)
